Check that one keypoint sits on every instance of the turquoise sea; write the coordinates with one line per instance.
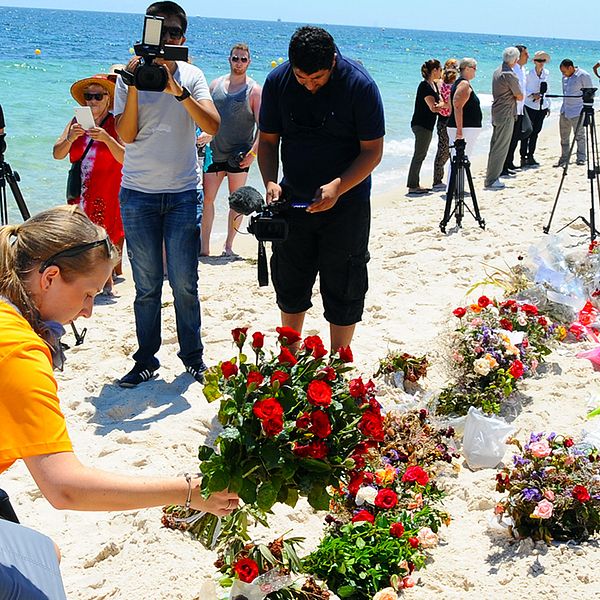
(34, 89)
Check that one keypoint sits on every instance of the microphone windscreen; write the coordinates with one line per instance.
(246, 200)
(543, 87)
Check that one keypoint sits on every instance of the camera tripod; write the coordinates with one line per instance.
(588, 122)
(10, 177)
(459, 167)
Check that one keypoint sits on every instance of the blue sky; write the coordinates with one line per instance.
(577, 19)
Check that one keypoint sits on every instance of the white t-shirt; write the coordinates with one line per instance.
(521, 76)
(533, 87)
(163, 157)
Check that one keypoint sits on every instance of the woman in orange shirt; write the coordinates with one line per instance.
(51, 267)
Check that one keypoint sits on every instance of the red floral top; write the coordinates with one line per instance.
(445, 89)
(100, 182)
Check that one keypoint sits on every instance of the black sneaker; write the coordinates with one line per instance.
(197, 371)
(136, 376)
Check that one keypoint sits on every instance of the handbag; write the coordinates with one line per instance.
(74, 174)
(526, 126)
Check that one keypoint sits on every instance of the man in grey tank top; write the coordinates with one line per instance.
(237, 98)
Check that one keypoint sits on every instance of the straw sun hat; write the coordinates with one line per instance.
(101, 79)
(541, 55)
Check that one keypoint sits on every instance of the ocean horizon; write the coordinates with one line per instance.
(34, 89)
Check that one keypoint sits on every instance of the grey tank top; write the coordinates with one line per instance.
(236, 132)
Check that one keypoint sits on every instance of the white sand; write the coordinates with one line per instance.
(417, 276)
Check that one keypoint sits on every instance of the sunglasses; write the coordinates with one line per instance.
(539, 60)
(244, 59)
(76, 251)
(174, 33)
(88, 96)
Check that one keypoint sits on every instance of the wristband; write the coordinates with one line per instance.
(252, 153)
(184, 95)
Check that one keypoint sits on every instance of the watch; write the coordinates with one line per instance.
(185, 94)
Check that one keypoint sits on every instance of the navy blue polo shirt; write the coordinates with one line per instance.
(321, 132)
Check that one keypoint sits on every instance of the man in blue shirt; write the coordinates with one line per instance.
(573, 81)
(326, 114)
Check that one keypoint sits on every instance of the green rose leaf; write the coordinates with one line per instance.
(266, 496)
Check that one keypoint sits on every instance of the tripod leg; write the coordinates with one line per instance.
(450, 191)
(546, 228)
(480, 221)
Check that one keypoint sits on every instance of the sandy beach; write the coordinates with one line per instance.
(417, 276)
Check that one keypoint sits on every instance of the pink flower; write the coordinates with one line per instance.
(543, 510)
(386, 594)
(540, 449)
(549, 495)
(427, 538)
(477, 322)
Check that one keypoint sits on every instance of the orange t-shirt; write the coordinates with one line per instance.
(31, 422)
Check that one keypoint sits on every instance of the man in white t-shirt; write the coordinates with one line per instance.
(161, 199)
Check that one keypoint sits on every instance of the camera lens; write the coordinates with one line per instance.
(152, 78)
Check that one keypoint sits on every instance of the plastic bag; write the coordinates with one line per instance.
(261, 587)
(484, 439)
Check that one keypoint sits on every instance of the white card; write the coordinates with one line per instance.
(84, 116)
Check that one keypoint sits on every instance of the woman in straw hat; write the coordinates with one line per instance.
(537, 108)
(101, 154)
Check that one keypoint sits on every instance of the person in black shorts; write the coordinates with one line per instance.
(325, 113)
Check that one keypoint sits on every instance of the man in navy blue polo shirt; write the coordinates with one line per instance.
(326, 114)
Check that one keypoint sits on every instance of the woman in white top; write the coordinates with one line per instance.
(536, 105)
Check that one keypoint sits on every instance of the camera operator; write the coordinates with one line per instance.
(573, 82)
(326, 113)
(159, 197)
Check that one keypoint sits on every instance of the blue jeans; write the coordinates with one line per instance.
(150, 219)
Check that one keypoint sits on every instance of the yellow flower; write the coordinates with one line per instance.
(385, 476)
(475, 308)
(491, 361)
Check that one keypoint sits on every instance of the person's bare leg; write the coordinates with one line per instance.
(295, 321)
(341, 335)
(118, 270)
(234, 220)
(210, 183)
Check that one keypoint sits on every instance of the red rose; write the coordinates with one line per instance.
(357, 388)
(529, 309)
(363, 515)
(258, 340)
(287, 336)
(267, 409)
(320, 424)
(517, 369)
(484, 301)
(414, 542)
(329, 373)
(355, 482)
(254, 377)
(569, 442)
(459, 312)
(416, 473)
(371, 425)
(319, 352)
(580, 493)
(286, 357)
(386, 499)
(301, 451)
(272, 425)
(312, 341)
(246, 570)
(317, 449)
(319, 393)
(228, 369)
(543, 321)
(280, 376)
(397, 529)
(303, 421)
(239, 336)
(345, 354)
(506, 324)
(369, 477)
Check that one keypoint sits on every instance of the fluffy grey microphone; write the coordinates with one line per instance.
(246, 200)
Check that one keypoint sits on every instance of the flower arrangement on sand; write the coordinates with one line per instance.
(292, 423)
(552, 489)
(495, 345)
(385, 518)
(401, 369)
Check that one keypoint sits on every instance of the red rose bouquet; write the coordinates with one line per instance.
(291, 424)
(553, 489)
(495, 345)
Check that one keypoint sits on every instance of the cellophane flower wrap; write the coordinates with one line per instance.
(552, 489)
(386, 516)
(291, 424)
(496, 344)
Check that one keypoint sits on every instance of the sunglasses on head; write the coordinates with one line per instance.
(98, 96)
(75, 251)
(174, 33)
(244, 59)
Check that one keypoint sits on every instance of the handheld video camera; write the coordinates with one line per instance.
(148, 76)
(265, 225)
